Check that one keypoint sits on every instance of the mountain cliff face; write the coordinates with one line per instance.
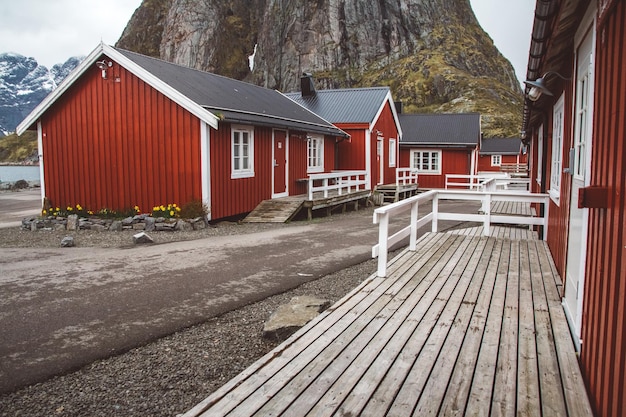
(23, 84)
(432, 53)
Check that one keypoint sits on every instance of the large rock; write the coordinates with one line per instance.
(290, 317)
(142, 237)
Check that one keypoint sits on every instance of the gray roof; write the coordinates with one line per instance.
(232, 100)
(500, 146)
(442, 130)
(350, 105)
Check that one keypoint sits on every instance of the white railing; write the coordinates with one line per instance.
(406, 176)
(479, 182)
(383, 216)
(344, 182)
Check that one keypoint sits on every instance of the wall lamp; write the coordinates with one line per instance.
(103, 65)
(538, 87)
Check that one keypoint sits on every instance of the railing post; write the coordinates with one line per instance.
(435, 210)
(383, 233)
(414, 218)
(310, 190)
(487, 214)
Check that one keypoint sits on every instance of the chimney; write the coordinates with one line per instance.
(399, 106)
(306, 85)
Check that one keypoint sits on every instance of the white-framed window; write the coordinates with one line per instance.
(392, 152)
(557, 150)
(540, 155)
(496, 160)
(316, 153)
(426, 161)
(242, 151)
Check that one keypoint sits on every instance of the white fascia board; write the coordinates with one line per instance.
(131, 66)
(388, 99)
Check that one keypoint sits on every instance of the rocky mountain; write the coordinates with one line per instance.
(23, 84)
(432, 53)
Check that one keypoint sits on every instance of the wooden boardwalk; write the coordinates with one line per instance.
(464, 326)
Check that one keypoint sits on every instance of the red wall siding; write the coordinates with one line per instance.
(230, 196)
(603, 356)
(453, 161)
(351, 152)
(110, 144)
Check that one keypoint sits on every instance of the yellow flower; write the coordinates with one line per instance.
(177, 208)
(90, 212)
(172, 213)
(44, 212)
(69, 208)
(162, 208)
(78, 207)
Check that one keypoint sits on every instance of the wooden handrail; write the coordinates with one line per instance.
(384, 214)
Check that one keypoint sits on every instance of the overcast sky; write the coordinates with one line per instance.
(51, 31)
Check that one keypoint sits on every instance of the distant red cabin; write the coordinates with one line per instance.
(439, 144)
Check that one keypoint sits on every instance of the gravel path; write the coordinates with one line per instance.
(169, 376)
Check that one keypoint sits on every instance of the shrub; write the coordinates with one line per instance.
(193, 209)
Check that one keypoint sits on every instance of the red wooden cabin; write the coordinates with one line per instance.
(439, 144)
(497, 153)
(369, 116)
(127, 130)
(575, 123)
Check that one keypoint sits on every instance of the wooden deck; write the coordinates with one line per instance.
(465, 325)
(512, 207)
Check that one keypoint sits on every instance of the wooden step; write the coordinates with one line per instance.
(274, 211)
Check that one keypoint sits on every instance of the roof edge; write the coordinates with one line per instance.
(102, 49)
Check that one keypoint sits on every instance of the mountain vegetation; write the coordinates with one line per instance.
(19, 149)
(432, 53)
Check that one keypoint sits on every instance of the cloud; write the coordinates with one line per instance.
(53, 31)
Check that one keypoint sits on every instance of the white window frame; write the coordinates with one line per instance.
(429, 170)
(392, 152)
(539, 178)
(245, 163)
(315, 154)
(556, 169)
(496, 160)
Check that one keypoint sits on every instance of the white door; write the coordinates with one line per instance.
(380, 155)
(580, 167)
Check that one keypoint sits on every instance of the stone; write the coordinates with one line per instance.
(127, 221)
(141, 238)
(72, 222)
(150, 224)
(139, 226)
(183, 226)
(165, 227)
(199, 223)
(67, 242)
(290, 317)
(116, 226)
(59, 226)
(98, 227)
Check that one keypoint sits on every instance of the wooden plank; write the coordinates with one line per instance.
(503, 400)
(468, 324)
(415, 382)
(528, 375)
(427, 316)
(480, 346)
(574, 391)
(550, 386)
(367, 366)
